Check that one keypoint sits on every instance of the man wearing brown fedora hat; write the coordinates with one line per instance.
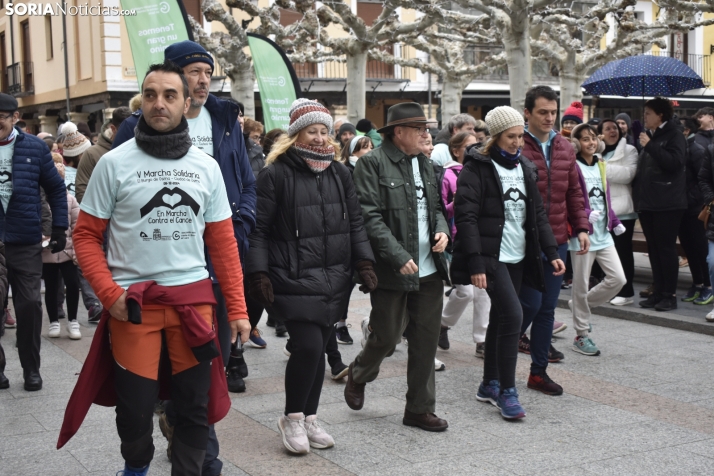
(405, 223)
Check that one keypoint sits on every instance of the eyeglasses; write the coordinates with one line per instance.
(420, 130)
(5, 117)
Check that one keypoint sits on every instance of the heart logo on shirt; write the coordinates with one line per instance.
(171, 200)
(595, 193)
(5, 177)
(514, 196)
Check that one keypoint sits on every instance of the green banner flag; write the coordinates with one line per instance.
(156, 25)
(277, 81)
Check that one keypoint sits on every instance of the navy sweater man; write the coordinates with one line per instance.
(25, 166)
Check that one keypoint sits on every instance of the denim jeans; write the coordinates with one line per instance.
(539, 310)
(710, 260)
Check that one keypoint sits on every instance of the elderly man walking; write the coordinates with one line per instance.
(408, 232)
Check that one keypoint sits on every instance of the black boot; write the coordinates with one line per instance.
(235, 372)
(4, 382)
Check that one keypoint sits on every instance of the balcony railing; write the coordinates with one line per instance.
(701, 64)
(376, 70)
(20, 79)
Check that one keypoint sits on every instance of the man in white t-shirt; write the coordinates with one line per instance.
(162, 199)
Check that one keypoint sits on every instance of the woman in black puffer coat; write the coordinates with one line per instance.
(308, 238)
(502, 230)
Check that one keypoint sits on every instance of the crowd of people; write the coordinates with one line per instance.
(183, 221)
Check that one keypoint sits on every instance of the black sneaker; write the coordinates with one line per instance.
(554, 355)
(647, 292)
(236, 371)
(280, 329)
(343, 335)
(94, 313)
(270, 322)
(444, 338)
(666, 303)
(651, 301)
(339, 371)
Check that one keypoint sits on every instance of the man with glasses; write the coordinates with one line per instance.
(25, 166)
(408, 232)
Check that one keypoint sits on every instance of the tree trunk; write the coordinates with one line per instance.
(518, 57)
(570, 81)
(451, 94)
(242, 89)
(356, 86)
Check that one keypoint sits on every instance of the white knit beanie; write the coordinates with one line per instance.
(305, 112)
(74, 143)
(501, 118)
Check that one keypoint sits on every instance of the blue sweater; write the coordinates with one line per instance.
(32, 168)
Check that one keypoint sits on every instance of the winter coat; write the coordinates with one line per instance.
(32, 168)
(229, 150)
(480, 218)
(309, 235)
(255, 156)
(704, 138)
(660, 182)
(384, 184)
(68, 253)
(612, 220)
(559, 185)
(87, 163)
(375, 137)
(448, 190)
(706, 186)
(696, 156)
(620, 170)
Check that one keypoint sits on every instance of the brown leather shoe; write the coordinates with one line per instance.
(354, 392)
(425, 421)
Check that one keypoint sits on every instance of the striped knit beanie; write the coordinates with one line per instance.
(305, 112)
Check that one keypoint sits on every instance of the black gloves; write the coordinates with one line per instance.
(58, 240)
(260, 288)
(366, 274)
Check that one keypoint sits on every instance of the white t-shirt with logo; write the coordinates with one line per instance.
(426, 261)
(157, 211)
(600, 237)
(513, 242)
(70, 175)
(6, 152)
(200, 129)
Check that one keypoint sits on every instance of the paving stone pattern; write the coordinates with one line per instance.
(643, 407)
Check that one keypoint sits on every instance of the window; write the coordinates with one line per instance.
(193, 8)
(48, 37)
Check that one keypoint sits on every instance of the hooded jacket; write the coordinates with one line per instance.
(704, 138)
(309, 234)
(67, 254)
(696, 157)
(559, 186)
(660, 182)
(621, 169)
(480, 218)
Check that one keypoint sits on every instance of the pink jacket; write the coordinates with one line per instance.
(68, 253)
(448, 189)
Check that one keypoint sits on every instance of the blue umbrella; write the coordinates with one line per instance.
(643, 75)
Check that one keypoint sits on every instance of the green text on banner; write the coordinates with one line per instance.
(277, 81)
(156, 25)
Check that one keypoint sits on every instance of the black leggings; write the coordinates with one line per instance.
(504, 325)
(623, 245)
(306, 367)
(694, 241)
(51, 274)
(660, 229)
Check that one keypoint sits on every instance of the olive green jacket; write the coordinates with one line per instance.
(385, 186)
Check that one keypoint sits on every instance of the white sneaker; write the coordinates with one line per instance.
(622, 301)
(54, 329)
(286, 351)
(439, 365)
(73, 330)
(570, 305)
(710, 317)
(365, 331)
(405, 341)
(317, 436)
(293, 433)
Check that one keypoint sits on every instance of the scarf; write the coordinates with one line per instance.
(10, 138)
(173, 144)
(610, 148)
(316, 158)
(503, 158)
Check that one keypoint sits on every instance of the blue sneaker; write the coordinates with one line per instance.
(255, 340)
(508, 403)
(585, 346)
(129, 471)
(489, 393)
(705, 296)
(693, 293)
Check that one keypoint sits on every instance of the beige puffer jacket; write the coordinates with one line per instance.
(68, 253)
